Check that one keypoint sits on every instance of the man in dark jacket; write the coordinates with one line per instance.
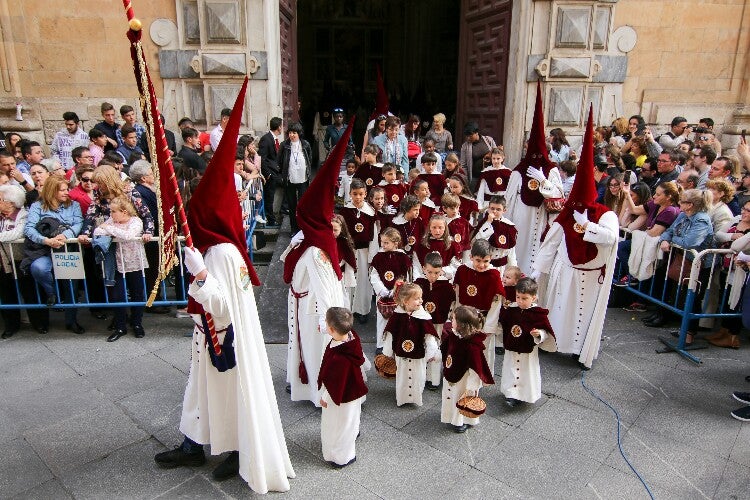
(189, 153)
(268, 149)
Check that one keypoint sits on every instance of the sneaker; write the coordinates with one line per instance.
(625, 281)
(742, 414)
(742, 397)
(259, 219)
(636, 307)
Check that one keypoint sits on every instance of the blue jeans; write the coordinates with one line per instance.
(41, 270)
(623, 254)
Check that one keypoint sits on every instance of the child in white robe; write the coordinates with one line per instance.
(412, 339)
(525, 327)
(465, 367)
(342, 389)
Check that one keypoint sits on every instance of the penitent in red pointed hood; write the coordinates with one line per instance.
(381, 98)
(215, 215)
(315, 209)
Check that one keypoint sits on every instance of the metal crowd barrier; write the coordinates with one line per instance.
(680, 297)
(77, 290)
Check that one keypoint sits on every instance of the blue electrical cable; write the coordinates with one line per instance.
(619, 438)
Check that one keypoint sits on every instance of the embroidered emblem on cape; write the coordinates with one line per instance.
(395, 198)
(516, 331)
(412, 240)
(533, 184)
(448, 361)
(321, 256)
(430, 307)
(499, 181)
(457, 238)
(368, 181)
(389, 276)
(471, 290)
(578, 228)
(502, 239)
(359, 227)
(245, 278)
(407, 345)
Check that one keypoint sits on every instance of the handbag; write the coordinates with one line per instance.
(676, 270)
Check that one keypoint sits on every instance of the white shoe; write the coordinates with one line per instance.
(259, 219)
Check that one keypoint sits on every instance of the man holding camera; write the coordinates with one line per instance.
(678, 133)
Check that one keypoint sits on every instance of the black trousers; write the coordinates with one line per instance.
(268, 195)
(293, 193)
(8, 295)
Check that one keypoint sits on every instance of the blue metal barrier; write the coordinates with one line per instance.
(687, 291)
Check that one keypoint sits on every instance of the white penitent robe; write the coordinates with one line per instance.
(453, 392)
(235, 410)
(577, 297)
(521, 377)
(530, 221)
(314, 278)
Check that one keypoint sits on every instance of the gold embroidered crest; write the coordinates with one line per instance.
(359, 227)
(502, 239)
(448, 361)
(321, 256)
(516, 331)
(533, 184)
(368, 181)
(471, 290)
(430, 307)
(457, 238)
(389, 276)
(395, 198)
(412, 240)
(578, 228)
(499, 181)
(407, 345)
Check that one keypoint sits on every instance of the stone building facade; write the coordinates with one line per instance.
(657, 58)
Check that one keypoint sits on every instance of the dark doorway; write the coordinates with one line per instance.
(341, 42)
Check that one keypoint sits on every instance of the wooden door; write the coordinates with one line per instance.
(288, 40)
(484, 40)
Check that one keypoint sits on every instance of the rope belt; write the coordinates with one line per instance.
(602, 270)
(302, 369)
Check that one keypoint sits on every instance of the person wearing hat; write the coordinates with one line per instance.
(534, 180)
(229, 400)
(577, 261)
(474, 149)
(311, 269)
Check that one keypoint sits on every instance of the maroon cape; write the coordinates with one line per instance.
(477, 289)
(340, 371)
(409, 334)
(462, 354)
(517, 324)
(437, 298)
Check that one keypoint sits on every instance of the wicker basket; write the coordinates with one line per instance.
(471, 406)
(554, 205)
(385, 366)
(386, 306)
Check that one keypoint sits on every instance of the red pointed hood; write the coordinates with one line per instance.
(536, 151)
(215, 215)
(315, 209)
(381, 100)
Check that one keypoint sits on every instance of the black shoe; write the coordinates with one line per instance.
(363, 319)
(116, 335)
(742, 397)
(460, 429)
(230, 467)
(513, 402)
(499, 351)
(659, 321)
(179, 458)
(42, 331)
(51, 300)
(431, 387)
(99, 315)
(138, 331)
(75, 328)
(340, 466)
(650, 317)
(583, 367)
(742, 414)
(8, 334)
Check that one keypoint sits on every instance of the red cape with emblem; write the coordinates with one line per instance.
(463, 353)
(582, 198)
(315, 209)
(536, 156)
(517, 324)
(340, 371)
(215, 215)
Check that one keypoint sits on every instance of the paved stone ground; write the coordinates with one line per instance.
(81, 418)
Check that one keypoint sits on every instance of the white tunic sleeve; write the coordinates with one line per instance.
(605, 232)
(212, 298)
(552, 187)
(549, 248)
(432, 350)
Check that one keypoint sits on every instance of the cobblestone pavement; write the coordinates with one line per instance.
(81, 418)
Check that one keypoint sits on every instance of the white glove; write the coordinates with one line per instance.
(743, 257)
(322, 325)
(535, 173)
(193, 261)
(535, 274)
(581, 217)
(297, 239)
(389, 210)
